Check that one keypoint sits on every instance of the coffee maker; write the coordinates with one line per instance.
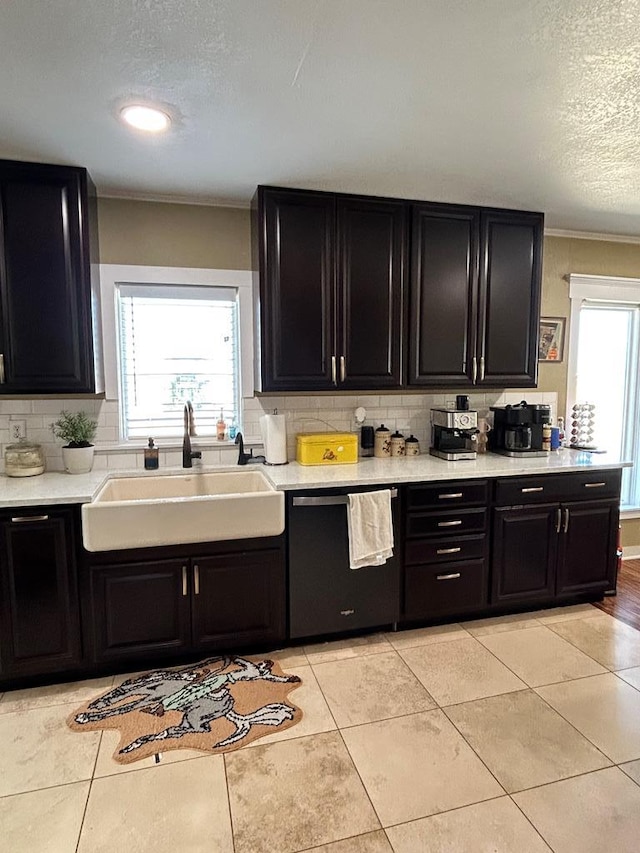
(454, 431)
(517, 430)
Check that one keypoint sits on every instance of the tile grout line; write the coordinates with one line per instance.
(531, 823)
(86, 805)
(226, 784)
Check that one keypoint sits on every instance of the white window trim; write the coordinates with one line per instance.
(111, 275)
(604, 287)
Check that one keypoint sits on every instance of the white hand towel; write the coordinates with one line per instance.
(370, 528)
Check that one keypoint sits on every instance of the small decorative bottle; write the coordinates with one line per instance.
(151, 461)
(221, 427)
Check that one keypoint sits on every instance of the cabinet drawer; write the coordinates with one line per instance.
(446, 523)
(517, 491)
(448, 494)
(450, 588)
(444, 550)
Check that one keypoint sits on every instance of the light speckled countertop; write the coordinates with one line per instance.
(59, 488)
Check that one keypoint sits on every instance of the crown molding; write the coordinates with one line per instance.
(588, 235)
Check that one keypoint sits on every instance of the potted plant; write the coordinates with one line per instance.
(77, 429)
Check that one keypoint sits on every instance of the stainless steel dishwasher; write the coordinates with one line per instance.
(325, 595)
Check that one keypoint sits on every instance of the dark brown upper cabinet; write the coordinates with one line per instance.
(330, 290)
(474, 296)
(48, 279)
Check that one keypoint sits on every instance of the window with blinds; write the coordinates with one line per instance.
(177, 343)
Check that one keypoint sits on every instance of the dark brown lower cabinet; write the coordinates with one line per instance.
(238, 599)
(549, 550)
(138, 609)
(193, 603)
(449, 588)
(39, 613)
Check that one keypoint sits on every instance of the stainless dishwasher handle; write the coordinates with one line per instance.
(332, 500)
(21, 519)
(449, 523)
(451, 577)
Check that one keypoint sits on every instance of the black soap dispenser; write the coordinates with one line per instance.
(151, 461)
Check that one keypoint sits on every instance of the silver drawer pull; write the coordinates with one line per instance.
(185, 588)
(533, 489)
(19, 519)
(594, 485)
(347, 612)
(450, 496)
(452, 577)
(450, 523)
(448, 550)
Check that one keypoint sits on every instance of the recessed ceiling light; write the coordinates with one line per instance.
(145, 118)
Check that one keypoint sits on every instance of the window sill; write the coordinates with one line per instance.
(173, 444)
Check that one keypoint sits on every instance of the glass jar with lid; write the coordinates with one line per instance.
(23, 459)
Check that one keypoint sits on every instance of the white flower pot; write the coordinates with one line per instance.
(78, 460)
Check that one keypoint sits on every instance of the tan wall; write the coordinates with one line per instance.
(173, 235)
(590, 257)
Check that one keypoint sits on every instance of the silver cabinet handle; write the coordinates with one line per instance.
(594, 485)
(450, 523)
(185, 588)
(452, 577)
(481, 368)
(2, 377)
(196, 579)
(474, 370)
(532, 489)
(347, 612)
(448, 550)
(21, 519)
(450, 496)
(343, 368)
(334, 374)
(558, 519)
(566, 521)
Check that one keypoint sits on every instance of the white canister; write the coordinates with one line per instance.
(382, 443)
(397, 444)
(412, 446)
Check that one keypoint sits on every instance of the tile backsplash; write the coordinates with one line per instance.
(408, 413)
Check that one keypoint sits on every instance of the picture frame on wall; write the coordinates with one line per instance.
(551, 345)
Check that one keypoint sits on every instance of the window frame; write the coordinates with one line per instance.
(608, 290)
(113, 275)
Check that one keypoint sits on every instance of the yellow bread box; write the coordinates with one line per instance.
(326, 448)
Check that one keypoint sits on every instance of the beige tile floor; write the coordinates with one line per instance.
(512, 735)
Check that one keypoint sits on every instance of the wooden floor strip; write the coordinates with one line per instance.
(626, 604)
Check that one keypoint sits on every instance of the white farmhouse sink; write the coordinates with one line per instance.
(143, 512)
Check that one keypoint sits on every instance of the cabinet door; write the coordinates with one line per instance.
(295, 231)
(138, 610)
(444, 277)
(370, 274)
(509, 307)
(39, 614)
(45, 289)
(525, 545)
(238, 599)
(587, 560)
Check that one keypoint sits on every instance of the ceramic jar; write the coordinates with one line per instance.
(397, 444)
(382, 443)
(412, 446)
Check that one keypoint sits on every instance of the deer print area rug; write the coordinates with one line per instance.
(216, 705)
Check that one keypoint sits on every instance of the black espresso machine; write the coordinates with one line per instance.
(517, 430)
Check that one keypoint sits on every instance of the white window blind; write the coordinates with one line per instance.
(177, 343)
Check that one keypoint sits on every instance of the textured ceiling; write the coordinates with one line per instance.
(532, 104)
